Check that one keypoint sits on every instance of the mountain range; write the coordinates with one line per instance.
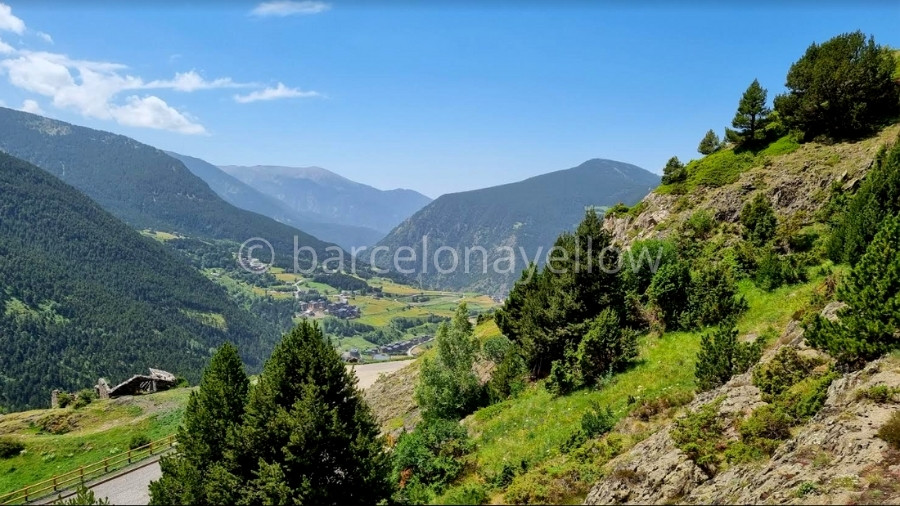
(526, 215)
(244, 196)
(140, 184)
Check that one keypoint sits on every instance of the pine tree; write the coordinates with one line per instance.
(752, 113)
(308, 436)
(870, 324)
(211, 418)
(674, 171)
(549, 311)
(721, 356)
(843, 87)
(709, 144)
(877, 199)
(670, 290)
(448, 387)
(606, 347)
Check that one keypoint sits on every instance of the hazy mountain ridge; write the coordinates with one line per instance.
(242, 195)
(329, 197)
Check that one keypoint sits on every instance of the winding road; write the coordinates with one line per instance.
(132, 486)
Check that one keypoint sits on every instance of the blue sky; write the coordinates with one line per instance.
(439, 98)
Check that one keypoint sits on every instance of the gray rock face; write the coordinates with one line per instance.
(835, 458)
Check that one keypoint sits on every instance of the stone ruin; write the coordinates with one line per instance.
(157, 381)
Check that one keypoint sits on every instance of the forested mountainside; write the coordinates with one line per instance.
(82, 296)
(527, 214)
(330, 198)
(139, 184)
(242, 195)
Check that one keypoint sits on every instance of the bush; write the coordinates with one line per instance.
(786, 369)
(712, 298)
(699, 225)
(64, 399)
(798, 398)
(469, 493)
(496, 348)
(721, 356)
(700, 435)
(431, 455)
(563, 379)
(669, 290)
(878, 393)
(766, 427)
(83, 398)
(597, 421)
(137, 441)
(651, 407)
(606, 347)
(85, 497)
(10, 447)
(774, 270)
(890, 431)
(803, 400)
(718, 169)
(617, 210)
(758, 220)
(508, 379)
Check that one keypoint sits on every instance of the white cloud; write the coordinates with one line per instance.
(192, 81)
(9, 22)
(32, 106)
(91, 87)
(280, 91)
(283, 8)
(95, 89)
(153, 112)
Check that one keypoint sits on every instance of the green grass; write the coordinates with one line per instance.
(99, 430)
(783, 146)
(725, 166)
(532, 426)
(718, 169)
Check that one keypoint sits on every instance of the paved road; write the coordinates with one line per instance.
(131, 488)
(134, 487)
(369, 373)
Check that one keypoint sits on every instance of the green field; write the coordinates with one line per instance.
(60, 440)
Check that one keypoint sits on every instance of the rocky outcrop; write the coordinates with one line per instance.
(835, 458)
(797, 184)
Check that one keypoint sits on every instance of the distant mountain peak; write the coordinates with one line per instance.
(528, 214)
(329, 197)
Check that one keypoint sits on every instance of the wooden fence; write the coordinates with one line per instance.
(86, 473)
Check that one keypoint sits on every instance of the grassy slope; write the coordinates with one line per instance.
(532, 427)
(101, 429)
